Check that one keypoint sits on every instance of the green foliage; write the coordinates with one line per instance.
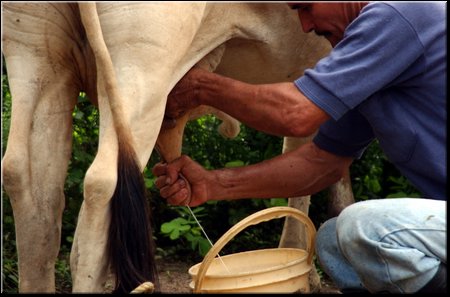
(84, 147)
(367, 173)
(401, 187)
(6, 111)
(62, 274)
(186, 226)
(204, 144)
(10, 277)
(373, 177)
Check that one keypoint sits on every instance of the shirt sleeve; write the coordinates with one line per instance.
(377, 47)
(348, 137)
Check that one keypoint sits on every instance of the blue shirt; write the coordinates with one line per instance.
(386, 79)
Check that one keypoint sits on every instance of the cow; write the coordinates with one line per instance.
(151, 45)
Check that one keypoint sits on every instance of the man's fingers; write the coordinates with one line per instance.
(176, 193)
(159, 169)
(171, 183)
(161, 181)
(179, 198)
(170, 190)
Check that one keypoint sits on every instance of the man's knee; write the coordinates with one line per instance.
(325, 236)
(355, 221)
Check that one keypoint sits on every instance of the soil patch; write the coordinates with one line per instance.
(174, 276)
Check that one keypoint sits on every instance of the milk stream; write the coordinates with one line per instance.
(198, 223)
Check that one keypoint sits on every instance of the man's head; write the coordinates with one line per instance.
(328, 19)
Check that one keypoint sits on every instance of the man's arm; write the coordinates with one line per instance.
(303, 171)
(279, 109)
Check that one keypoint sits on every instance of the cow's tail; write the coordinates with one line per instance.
(130, 243)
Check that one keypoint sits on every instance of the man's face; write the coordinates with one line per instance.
(325, 19)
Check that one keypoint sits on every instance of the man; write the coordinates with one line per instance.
(385, 79)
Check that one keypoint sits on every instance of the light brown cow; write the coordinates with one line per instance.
(151, 46)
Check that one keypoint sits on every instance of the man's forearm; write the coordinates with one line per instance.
(279, 109)
(288, 175)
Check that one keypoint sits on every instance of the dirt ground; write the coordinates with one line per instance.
(174, 278)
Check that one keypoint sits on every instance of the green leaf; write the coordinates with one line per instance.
(236, 163)
(8, 220)
(196, 231)
(184, 227)
(278, 202)
(193, 240)
(78, 114)
(175, 234)
(168, 227)
(204, 246)
(198, 209)
(180, 221)
(149, 182)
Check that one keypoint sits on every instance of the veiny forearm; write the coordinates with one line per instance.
(301, 172)
(279, 109)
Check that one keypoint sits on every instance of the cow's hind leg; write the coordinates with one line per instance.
(34, 169)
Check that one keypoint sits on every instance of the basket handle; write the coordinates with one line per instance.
(256, 218)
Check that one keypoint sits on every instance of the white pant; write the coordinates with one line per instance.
(384, 245)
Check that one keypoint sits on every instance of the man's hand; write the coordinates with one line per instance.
(172, 177)
(184, 95)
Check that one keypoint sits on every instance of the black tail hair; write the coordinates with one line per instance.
(130, 243)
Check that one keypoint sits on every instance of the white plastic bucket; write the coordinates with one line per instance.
(277, 270)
